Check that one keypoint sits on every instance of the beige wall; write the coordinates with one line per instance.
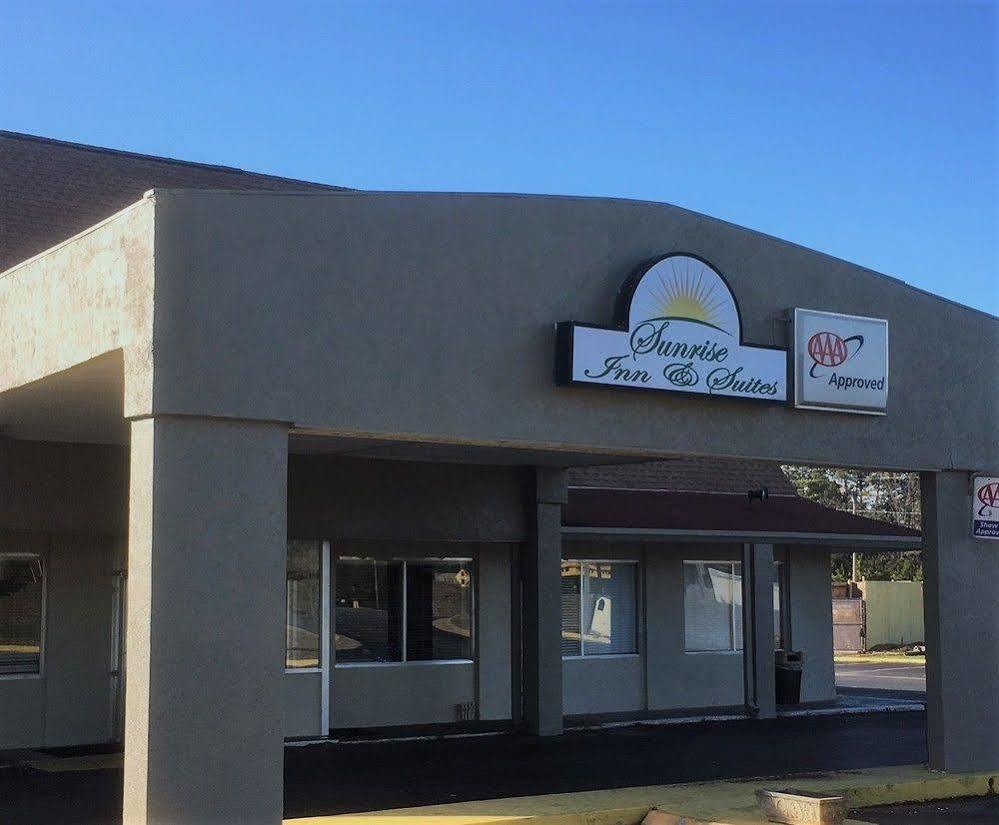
(83, 298)
(69, 703)
(894, 612)
(808, 580)
(663, 676)
(432, 317)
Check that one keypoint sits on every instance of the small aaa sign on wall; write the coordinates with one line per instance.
(985, 507)
(677, 328)
(840, 362)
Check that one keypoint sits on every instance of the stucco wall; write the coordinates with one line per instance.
(68, 503)
(414, 693)
(665, 677)
(63, 488)
(676, 678)
(809, 575)
(432, 317)
(302, 705)
(70, 702)
(662, 676)
(343, 498)
(88, 296)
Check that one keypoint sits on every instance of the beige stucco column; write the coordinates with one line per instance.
(758, 629)
(542, 581)
(207, 533)
(961, 614)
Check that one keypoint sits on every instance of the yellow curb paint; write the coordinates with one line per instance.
(701, 803)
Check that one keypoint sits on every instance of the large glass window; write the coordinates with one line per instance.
(599, 607)
(21, 605)
(712, 605)
(438, 610)
(399, 611)
(303, 605)
(368, 617)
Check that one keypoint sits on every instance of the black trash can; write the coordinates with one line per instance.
(787, 677)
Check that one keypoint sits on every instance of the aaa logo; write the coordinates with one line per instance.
(827, 349)
(989, 494)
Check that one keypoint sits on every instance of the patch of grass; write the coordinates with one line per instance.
(879, 658)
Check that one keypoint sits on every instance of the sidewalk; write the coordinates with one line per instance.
(701, 803)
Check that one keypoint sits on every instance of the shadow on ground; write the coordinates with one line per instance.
(332, 778)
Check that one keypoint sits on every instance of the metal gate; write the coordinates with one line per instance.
(849, 629)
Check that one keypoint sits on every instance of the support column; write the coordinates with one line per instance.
(961, 612)
(758, 629)
(542, 595)
(205, 637)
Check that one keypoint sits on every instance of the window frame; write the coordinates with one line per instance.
(42, 628)
(324, 608)
(637, 563)
(783, 611)
(404, 661)
(737, 638)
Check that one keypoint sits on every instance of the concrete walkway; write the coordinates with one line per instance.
(701, 803)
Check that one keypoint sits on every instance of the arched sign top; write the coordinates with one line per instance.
(678, 329)
(684, 288)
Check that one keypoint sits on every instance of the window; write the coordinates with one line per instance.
(22, 595)
(712, 606)
(403, 611)
(438, 610)
(599, 607)
(368, 619)
(303, 623)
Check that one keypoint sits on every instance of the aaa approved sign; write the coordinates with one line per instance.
(840, 362)
(985, 508)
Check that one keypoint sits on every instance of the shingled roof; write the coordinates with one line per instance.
(50, 189)
(692, 475)
(707, 495)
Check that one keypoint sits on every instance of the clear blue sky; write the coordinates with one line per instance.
(868, 131)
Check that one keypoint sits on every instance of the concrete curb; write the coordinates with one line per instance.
(702, 803)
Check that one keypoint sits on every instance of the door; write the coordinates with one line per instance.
(848, 624)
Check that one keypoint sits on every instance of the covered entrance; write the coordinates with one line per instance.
(381, 377)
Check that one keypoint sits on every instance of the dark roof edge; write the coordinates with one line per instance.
(889, 541)
(104, 150)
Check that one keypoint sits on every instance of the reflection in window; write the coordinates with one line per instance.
(712, 605)
(303, 605)
(599, 608)
(21, 596)
(438, 610)
(368, 618)
(572, 639)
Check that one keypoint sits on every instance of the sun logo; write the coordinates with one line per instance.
(686, 295)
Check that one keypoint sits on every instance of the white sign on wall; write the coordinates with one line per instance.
(840, 362)
(677, 328)
(985, 508)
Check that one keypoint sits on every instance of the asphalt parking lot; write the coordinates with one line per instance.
(983, 810)
(332, 778)
(901, 677)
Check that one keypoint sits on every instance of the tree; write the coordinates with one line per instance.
(884, 496)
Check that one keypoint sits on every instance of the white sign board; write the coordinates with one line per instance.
(985, 508)
(840, 362)
(677, 328)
